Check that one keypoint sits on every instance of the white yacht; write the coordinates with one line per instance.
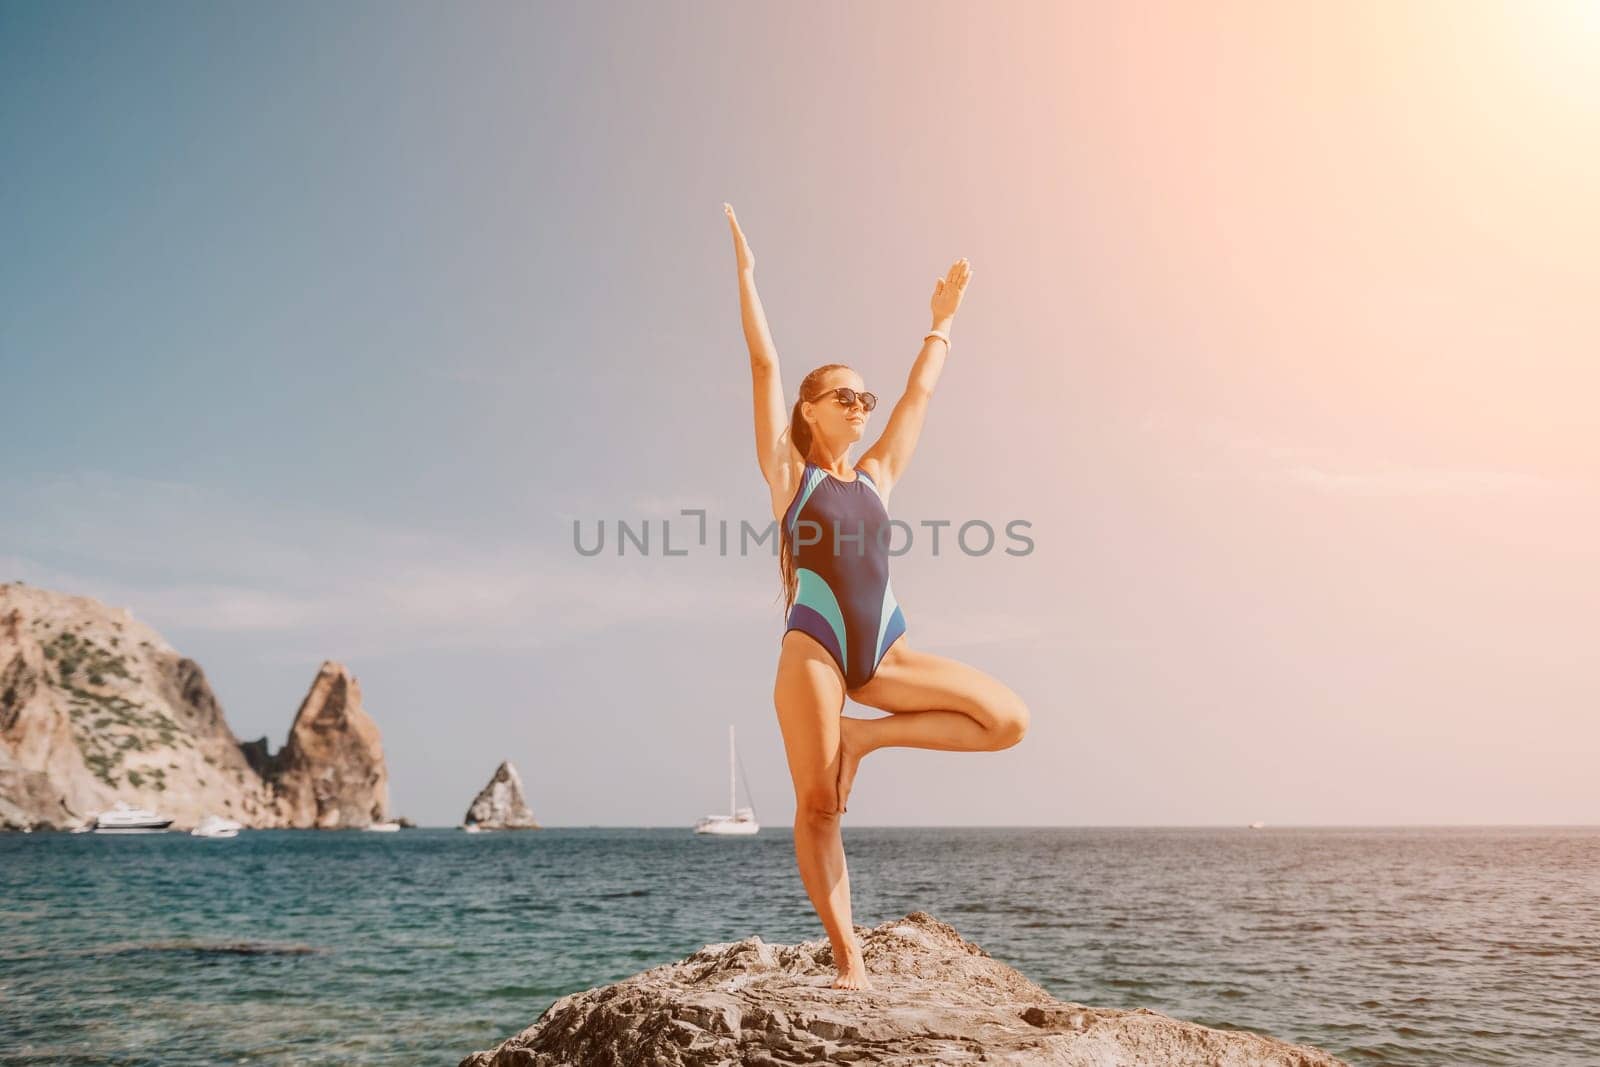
(216, 826)
(743, 820)
(388, 827)
(123, 818)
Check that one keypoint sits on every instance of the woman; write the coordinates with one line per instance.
(844, 633)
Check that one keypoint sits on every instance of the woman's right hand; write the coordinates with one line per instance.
(741, 247)
(948, 291)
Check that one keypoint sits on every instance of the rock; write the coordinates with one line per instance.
(30, 801)
(500, 804)
(96, 707)
(937, 999)
(331, 772)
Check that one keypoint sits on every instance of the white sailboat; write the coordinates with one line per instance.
(743, 820)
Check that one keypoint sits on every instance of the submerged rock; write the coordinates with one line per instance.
(500, 804)
(937, 999)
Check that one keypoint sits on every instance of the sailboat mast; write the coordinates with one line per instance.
(732, 810)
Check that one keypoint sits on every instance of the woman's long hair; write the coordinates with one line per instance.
(800, 438)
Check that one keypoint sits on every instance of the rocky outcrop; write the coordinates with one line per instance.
(331, 773)
(937, 999)
(30, 801)
(96, 707)
(500, 804)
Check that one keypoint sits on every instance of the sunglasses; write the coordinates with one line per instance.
(847, 396)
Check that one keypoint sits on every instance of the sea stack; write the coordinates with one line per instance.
(96, 707)
(500, 804)
(936, 998)
(331, 774)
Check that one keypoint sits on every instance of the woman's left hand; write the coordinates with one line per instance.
(741, 247)
(947, 291)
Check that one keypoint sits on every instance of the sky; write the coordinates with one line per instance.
(322, 327)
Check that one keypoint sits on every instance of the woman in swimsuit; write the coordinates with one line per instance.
(844, 632)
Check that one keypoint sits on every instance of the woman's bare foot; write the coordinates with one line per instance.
(852, 746)
(853, 971)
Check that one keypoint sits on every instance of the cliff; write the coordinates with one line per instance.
(95, 707)
(937, 998)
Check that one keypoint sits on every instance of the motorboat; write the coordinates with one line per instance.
(386, 827)
(743, 820)
(124, 818)
(216, 826)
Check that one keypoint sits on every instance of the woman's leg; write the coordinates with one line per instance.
(937, 702)
(809, 694)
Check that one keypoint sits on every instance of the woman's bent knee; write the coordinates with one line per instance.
(818, 803)
(1011, 722)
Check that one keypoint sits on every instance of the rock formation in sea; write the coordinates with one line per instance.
(96, 707)
(500, 804)
(330, 773)
(937, 999)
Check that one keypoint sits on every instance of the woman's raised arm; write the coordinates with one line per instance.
(893, 448)
(772, 421)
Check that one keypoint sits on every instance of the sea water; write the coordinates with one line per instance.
(1382, 946)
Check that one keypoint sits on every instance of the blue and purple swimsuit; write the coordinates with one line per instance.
(844, 600)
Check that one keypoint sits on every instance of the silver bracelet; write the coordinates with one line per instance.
(940, 334)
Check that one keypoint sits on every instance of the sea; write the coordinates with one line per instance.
(1421, 946)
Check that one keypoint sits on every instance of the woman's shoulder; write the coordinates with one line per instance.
(872, 467)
